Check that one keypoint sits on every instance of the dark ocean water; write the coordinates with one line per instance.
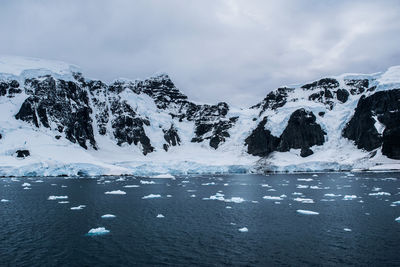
(35, 231)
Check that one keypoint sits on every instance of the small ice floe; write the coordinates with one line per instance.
(379, 194)
(4, 200)
(80, 207)
(243, 230)
(108, 216)
(212, 183)
(307, 212)
(367, 213)
(107, 182)
(265, 185)
(349, 197)
(315, 187)
(191, 190)
(147, 182)
(397, 219)
(160, 216)
(217, 196)
(235, 200)
(331, 195)
(396, 203)
(254, 201)
(228, 207)
(376, 189)
(164, 176)
(57, 197)
(39, 181)
(115, 192)
(327, 200)
(151, 196)
(297, 194)
(64, 186)
(300, 186)
(98, 231)
(26, 188)
(272, 198)
(232, 223)
(193, 195)
(169, 195)
(26, 184)
(271, 190)
(226, 184)
(131, 186)
(350, 175)
(120, 179)
(347, 229)
(305, 179)
(304, 200)
(63, 202)
(53, 184)
(315, 175)
(185, 182)
(277, 202)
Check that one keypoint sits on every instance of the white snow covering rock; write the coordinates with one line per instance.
(55, 157)
(98, 231)
(307, 212)
(115, 192)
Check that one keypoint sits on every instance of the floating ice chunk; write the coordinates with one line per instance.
(57, 197)
(265, 185)
(26, 188)
(131, 186)
(98, 231)
(64, 186)
(169, 195)
(228, 207)
(300, 186)
(115, 192)
(151, 196)
(120, 179)
(332, 195)
(53, 184)
(397, 219)
(254, 201)
(375, 189)
(226, 184)
(108, 216)
(191, 190)
(277, 202)
(283, 196)
(327, 200)
(315, 187)
(39, 181)
(297, 193)
(315, 175)
(272, 198)
(380, 194)
(164, 176)
(307, 212)
(243, 229)
(235, 200)
(4, 200)
(271, 190)
(349, 197)
(107, 182)
(63, 202)
(397, 203)
(193, 195)
(26, 184)
(147, 182)
(305, 179)
(160, 216)
(350, 175)
(347, 229)
(212, 183)
(80, 207)
(304, 200)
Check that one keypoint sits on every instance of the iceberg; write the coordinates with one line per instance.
(151, 196)
(307, 212)
(115, 192)
(57, 197)
(98, 231)
(108, 216)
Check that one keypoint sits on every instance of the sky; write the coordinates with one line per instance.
(214, 50)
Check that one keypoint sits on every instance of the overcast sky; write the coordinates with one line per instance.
(234, 51)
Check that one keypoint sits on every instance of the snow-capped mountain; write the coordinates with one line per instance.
(56, 121)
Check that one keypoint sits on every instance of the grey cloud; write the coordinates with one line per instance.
(214, 50)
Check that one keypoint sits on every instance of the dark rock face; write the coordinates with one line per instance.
(385, 107)
(301, 132)
(326, 83)
(274, 99)
(342, 95)
(357, 86)
(59, 105)
(261, 142)
(171, 137)
(22, 153)
(305, 152)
